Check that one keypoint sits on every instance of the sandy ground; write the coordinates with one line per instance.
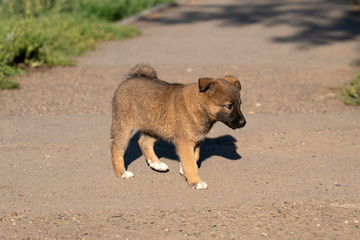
(291, 173)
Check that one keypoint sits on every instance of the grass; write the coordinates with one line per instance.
(51, 32)
(352, 93)
(112, 10)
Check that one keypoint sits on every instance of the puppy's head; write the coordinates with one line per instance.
(222, 101)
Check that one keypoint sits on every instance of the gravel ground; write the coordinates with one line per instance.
(276, 221)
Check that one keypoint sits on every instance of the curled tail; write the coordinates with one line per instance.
(142, 70)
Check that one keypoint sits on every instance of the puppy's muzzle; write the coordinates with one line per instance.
(241, 121)
(238, 124)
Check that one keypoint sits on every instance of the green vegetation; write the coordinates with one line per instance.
(50, 32)
(352, 93)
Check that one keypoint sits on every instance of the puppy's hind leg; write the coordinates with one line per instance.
(146, 144)
(121, 137)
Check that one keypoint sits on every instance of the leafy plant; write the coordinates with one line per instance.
(7, 82)
(352, 92)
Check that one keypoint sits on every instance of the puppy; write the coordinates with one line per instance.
(181, 113)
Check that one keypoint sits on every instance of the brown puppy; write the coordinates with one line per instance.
(180, 113)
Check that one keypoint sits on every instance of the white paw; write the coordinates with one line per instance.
(127, 174)
(162, 167)
(181, 170)
(200, 186)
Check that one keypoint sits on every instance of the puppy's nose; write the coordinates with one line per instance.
(242, 123)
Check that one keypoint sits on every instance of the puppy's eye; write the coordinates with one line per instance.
(229, 106)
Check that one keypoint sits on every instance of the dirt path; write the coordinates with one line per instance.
(291, 173)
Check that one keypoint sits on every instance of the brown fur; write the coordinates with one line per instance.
(180, 113)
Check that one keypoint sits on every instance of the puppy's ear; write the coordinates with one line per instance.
(205, 84)
(233, 81)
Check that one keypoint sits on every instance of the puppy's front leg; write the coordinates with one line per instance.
(187, 158)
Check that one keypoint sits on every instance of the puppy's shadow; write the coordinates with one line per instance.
(223, 146)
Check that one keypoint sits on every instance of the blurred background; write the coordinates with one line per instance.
(34, 33)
